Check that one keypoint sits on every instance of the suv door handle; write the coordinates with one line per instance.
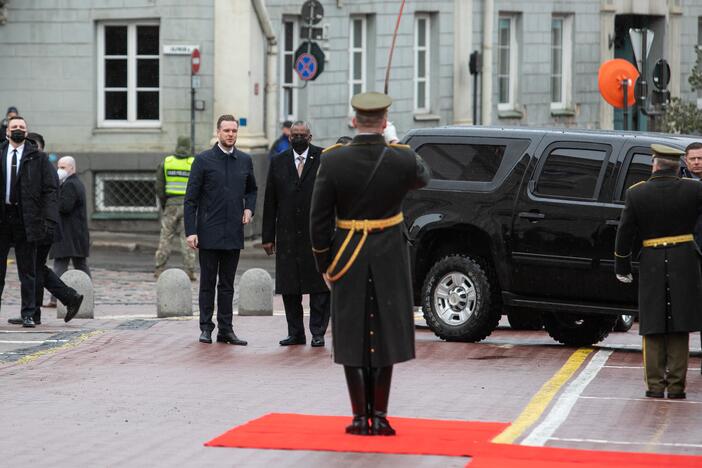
(531, 215)
(612, 222)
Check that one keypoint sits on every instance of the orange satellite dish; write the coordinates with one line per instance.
(610, 78)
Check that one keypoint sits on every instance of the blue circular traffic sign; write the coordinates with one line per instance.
(306, 66)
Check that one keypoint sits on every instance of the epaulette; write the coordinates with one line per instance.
(637, 183)
(329, 148)
(399, 145)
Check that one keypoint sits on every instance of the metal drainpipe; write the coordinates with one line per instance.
(486, 78)
(271, 96)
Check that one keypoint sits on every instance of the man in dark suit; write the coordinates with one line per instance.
(362, 186)
(28, 188)
(286, 220)
(219, 200)
(662, 211)
(44, 276)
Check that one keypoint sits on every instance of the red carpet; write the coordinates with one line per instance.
(431, 437)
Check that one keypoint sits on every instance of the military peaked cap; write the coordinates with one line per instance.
(371, 102)
(666, 152)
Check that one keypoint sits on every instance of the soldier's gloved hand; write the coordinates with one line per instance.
(625, 278)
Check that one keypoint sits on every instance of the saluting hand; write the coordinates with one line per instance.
(246, 219)
(192, 241)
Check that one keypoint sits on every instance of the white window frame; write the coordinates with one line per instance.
(426, 48)
(513, 63)
(132, 89)
(363, 50)
(284, 114)
(566, 62)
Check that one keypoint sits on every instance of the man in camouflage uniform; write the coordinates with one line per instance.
(171, 181)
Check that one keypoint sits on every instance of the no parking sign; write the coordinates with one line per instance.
(309, 61)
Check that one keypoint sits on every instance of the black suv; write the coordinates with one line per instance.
(522, 221)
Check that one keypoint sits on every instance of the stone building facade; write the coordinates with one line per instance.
(107, 81)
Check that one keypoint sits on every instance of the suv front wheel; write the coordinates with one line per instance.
(457, 300)
(578, 330)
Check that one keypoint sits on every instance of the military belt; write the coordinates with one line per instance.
(358, 225)
(666, 241)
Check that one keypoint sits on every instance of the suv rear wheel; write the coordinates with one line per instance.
(457, 300)
(578, 330)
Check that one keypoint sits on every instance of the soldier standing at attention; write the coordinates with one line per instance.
(663, 211)
(171, 180)
(360, 188)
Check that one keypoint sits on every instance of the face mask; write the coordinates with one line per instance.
(299, 144)
(62, 174)
(17, 136)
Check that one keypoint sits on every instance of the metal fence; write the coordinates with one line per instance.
(125, 192)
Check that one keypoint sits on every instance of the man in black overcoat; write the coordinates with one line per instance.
(219, 200)
(28, 188)
(286, 220)
(662, 212)
(361, 186)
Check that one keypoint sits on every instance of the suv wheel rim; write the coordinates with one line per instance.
(455, 298)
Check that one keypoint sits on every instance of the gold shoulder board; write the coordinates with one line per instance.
(637, 183)
(401, 146)
(325, 150)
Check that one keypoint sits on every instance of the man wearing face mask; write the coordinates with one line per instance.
(286, 220)
(75, 245)
(45, 277)
(28, 188)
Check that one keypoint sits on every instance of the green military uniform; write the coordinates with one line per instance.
(171, 181)
(661, 213)
(360, 188)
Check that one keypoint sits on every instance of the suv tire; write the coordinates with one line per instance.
(525, 321)
(578, 330)
(624, 323)
(458, 300)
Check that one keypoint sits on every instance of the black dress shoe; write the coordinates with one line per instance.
(677, 395)
(358, 426)
(20, 321)
(293, 340)
(28, 322)
(317, 341)
(381, 426)
(655, 394)
(73, 307)
(206, 337)
(231, 338)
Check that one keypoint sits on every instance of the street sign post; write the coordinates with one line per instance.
(194, 83)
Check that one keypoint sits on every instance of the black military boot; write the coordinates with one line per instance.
(382, 377)
(355, 382)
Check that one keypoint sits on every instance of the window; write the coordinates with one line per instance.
(571, 173)
(475, 163)
(507, 55)
(128, 75)
(125, 192)
(561, 61)
(422, 47)
(639, 169)
(288, 79)
(357, 56)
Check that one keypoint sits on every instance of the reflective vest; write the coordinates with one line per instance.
(177, 171)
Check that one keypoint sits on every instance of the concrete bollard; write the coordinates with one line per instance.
(174, 297)
(82, 283)
(256, 293)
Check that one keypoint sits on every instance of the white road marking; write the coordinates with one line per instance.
(651, 400)
(561, 409)
(641, 367)
(621, 442)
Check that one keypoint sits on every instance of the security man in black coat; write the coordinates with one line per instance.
(361, 187)
(28, 187)
(662, 212)
(286, 221)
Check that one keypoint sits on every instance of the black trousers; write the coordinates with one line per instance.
(216, 264)
(46, 278)
(319, 314)
(12, 234)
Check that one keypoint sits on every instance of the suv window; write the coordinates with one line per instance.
(570, 173)
(468, 162)
(639, 169)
